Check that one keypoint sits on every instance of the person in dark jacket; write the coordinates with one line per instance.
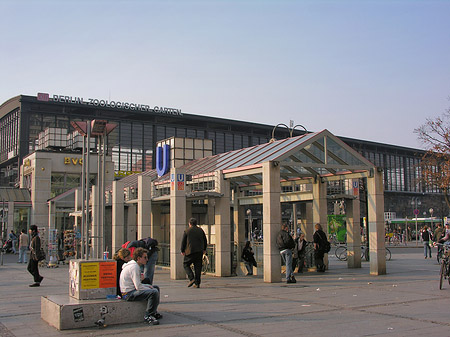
(33, 263)
(319, 238)
(426, 238)
(300, 252)
(193, 246)
(249, 258)
(285, 244)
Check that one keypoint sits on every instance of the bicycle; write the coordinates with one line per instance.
(445, 268)
(440, 251)
(205, 264)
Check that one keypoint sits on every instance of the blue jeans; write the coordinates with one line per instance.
(149, 295)
(287, 258)
(149, 268)
(426, 248)
(23, 254)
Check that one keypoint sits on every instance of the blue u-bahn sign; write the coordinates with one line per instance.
(162, 159)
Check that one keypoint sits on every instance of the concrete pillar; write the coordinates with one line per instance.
(211, 211)
(271, 221)
(95, 231)
(144, 207)
(319, 208)
(40, 192)
(222, 226)
(157, 230)
(319, 204)
(189, 211)
(353, 233)
(118, 215)
(177, 221)
(131, 228)
(375, 202)
(307, 225)
(239, 229)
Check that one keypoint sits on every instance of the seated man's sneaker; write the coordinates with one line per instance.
(151, 320)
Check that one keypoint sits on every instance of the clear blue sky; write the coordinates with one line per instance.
(372, 70)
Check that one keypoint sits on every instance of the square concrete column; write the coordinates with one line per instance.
(210, 216)
(157, 229)
(319, 204)
(131, 227)
(353, 233)
(223, 229)
(177, 221)
(95, 231)
(375, 202)
(271, 221)
(118, 215)
(319, 208)
(307, 225)
(144, 207)
(41, 192)
(239, 229)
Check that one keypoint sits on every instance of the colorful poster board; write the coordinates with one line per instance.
(98, 275)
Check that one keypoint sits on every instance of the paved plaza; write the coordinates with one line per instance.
(341, 302)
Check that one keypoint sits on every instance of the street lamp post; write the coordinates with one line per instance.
(416, 202)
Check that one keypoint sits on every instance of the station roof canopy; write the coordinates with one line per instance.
(317, 154)
(312, 155)
(15, 194)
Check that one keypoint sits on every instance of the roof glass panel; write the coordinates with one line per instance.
(342, 153)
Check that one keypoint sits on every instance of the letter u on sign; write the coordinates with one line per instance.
(162, 159)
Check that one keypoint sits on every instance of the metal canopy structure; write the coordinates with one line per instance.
(313, 155)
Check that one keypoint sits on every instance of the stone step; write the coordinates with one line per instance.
(64, 312)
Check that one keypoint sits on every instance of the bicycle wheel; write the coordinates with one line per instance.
(343, 255)
(339, 250)
(388, 254)
(441, 278)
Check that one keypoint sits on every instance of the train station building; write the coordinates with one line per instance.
(239, 177)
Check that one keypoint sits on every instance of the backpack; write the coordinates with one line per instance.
(327, 246)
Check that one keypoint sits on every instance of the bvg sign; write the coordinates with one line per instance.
(73, 161)
(162, 159)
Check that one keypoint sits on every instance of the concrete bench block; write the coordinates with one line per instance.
(64, 312)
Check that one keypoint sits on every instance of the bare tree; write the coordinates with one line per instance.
(435, 164)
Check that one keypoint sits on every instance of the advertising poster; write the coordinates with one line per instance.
(90, 275)
(337, 226)
(108, 274)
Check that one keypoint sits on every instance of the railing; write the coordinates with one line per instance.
(258, 250)
(164, 256)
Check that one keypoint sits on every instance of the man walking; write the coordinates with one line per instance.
(134, 290)
(193, 246)
(285, 244)
(23, 246)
